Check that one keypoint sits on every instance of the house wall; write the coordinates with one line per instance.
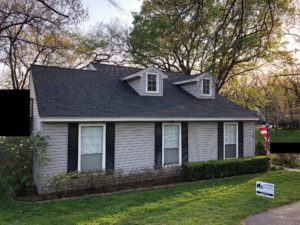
(195, 88)
(249, 138)
(136, 84)
(140, 84)
(134, 146)
(36, 117)
(203, 145)
(56, 135)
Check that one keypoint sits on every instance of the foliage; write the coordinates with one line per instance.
(34, 32)
(110, 180)
(260, 148)
(40, 158)
(16, 162)
(225, 168)
(284, 159)
(222, 201)
(226, 38)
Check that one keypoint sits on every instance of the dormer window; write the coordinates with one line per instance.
(206, 84)
(152, 83)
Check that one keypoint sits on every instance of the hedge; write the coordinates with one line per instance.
(225, 168)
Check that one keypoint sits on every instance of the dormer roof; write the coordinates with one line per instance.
(141, 72)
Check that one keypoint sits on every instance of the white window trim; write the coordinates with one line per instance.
(237, 139)
(157, 83)
(163, 147)
(210, 87)
(104, 143)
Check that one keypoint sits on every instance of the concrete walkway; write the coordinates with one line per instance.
(284, 215)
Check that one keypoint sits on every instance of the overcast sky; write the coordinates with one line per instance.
(104, 11)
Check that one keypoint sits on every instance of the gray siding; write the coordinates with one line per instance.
(249, 138)
(134, 146)
(135, 84)
(191, 88)
(57, 150)
(213, 89)
(195, 88)
(36, 117)
(203, 138)
(144, 85)
(140, 84)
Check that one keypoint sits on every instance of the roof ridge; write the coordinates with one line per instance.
(61, 68)
(103, 64)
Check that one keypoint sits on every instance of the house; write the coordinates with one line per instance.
(122, 118)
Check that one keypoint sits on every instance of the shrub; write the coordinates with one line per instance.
(260, 149)
(224, 168)
(16, 154)
(16, 162)
(66, 183)
(284, 159)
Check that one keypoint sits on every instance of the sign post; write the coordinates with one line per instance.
(265, 189)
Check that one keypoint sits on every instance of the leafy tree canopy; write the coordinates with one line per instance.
(227, 37)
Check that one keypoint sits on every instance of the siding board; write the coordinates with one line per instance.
(202, 141)
(134, 146)
(249, 138)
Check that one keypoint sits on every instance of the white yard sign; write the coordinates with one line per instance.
(265, 189)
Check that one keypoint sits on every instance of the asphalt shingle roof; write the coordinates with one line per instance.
(62, 92)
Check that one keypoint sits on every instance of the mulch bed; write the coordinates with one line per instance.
(35, 197)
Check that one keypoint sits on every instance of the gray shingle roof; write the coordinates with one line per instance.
(62, 92)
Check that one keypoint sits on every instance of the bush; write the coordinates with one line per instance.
(260, 149)
(284, 159)
(65, 184)
(16, 154)
(224, 168)
(16, 163)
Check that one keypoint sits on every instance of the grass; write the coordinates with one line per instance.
(279, 135)
(223, 201)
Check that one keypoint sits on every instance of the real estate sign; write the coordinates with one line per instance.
(265, 189)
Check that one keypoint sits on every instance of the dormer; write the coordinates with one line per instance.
(200, 86)
(147, 82)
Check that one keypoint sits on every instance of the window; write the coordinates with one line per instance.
(91, 155)
(171, 144)
(152, 83)
(206, 86)
(230, 140)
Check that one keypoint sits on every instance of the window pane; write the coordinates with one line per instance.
(171, 144)
(230, 140)
(230, 133)
(171, 156)
(171, 136)
(91, 140)
(91, 162)
(230, 151)
(206, 86)
(151, 85)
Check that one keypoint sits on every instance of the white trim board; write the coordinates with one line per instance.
(237, 139)
(179, 147)
(103, 142)
(142, 119)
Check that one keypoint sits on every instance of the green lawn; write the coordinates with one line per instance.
(279, 135)
(223, 201)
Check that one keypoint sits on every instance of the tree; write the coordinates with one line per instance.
(31, 31)
(227, 38)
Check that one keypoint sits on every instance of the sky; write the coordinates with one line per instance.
(104, 11)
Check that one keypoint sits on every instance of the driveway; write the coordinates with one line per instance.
(284, 215)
